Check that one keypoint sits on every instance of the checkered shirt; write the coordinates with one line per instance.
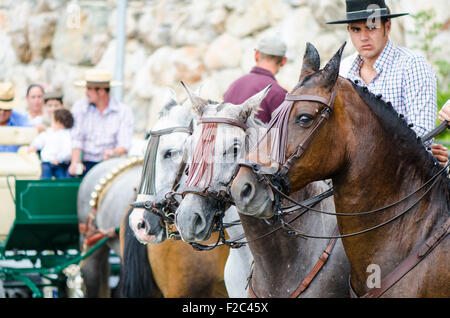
(94, 133)
(403, 78)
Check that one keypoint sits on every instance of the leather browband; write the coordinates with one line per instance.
(223, 120)
(310, 98)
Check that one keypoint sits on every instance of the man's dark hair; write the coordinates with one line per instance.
(275, 58)
(35, 85)
(64, 116)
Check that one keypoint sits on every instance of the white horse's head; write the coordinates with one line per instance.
(148, 226)
(213, 152)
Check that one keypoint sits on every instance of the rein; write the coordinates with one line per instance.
(276, 177)
(277, 182)
(165, 209)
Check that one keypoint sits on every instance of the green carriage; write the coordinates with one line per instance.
(39, 236)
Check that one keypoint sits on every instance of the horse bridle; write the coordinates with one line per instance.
(275, 178)
(278, 175)
(165, 209)
(221, 196)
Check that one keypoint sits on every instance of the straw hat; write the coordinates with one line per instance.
(97, 79)
(6, 95)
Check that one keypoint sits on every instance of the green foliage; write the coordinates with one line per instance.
(426, 28)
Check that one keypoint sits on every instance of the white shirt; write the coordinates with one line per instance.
(54, 145)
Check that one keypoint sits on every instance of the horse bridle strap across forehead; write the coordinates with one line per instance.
(223, 120)
(312, 98)
(221, 196)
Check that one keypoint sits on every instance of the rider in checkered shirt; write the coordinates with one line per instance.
(402, 77)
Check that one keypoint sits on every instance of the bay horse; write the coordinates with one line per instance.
(281, 261)
(391, 196)
(165, 267)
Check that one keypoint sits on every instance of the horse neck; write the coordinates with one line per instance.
(282, 261)
(377, 174)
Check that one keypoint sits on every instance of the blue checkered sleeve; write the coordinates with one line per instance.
(419, 97)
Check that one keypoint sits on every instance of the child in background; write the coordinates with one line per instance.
(55, 145)
(53, 101)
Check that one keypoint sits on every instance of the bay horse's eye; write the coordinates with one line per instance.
(305, 120)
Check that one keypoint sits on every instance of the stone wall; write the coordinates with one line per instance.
(202, 42)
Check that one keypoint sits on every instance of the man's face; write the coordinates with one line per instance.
(94, 95)
(4, 116)
(53, 104)
(35, 99)
(369, 41)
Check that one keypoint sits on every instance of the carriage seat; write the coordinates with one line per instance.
(20, 165)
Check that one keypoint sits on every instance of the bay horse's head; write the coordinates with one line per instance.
(301, 128)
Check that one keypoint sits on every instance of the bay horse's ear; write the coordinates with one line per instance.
(252, 104)
(311, 61)
(198, 103)
(330, 72)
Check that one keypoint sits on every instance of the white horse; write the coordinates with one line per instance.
(112, 185)
(148, 229)
(199, 273)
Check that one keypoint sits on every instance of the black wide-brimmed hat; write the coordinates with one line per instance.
(358, 10)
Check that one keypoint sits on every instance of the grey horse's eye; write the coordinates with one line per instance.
(233, 150)
(169, 154)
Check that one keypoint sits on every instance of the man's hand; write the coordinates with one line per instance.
(116, 152)
(109, 153)
(444, 113)
(440, 153)
(73, 169)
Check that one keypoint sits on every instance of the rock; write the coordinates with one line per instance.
(254, 18)
(75, 40)
(40, 30)
(8, 57)
(214, 86)
(224, 52)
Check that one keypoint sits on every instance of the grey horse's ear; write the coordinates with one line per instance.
(330, 72)
(251, 105)
(311, 61)
(198, 103)
(171, 102)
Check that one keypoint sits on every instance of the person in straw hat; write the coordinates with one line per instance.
(402, 77)
(8, 116)
(103, 126)
(269, 57)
